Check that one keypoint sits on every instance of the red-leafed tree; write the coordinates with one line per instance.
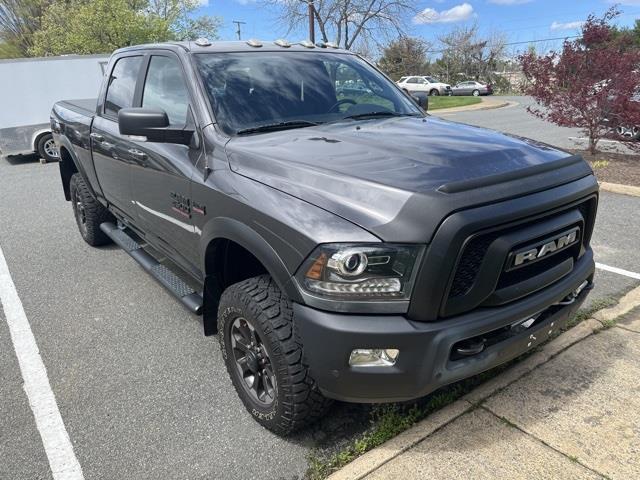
(590, 84)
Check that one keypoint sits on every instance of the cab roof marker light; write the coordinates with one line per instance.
(203, 42)
(254, 43)
(281, 42)
(331, 45)
(307, 44)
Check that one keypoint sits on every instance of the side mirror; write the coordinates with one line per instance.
(422, 99)
(153, 124)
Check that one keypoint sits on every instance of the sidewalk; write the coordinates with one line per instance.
(569, 411)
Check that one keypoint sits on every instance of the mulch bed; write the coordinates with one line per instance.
(614, 167)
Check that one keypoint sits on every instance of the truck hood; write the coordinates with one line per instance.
(373, 172)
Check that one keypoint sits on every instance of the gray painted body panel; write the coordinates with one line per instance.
(283, 193)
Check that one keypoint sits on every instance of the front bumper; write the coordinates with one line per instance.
(425, 362)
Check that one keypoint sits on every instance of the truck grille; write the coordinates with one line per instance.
(466, 281)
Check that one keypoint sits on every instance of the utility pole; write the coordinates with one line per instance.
(312, 25)
(238, 32)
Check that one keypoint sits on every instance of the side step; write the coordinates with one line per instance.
(176, 286)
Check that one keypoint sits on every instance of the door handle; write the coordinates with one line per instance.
(97, 137)
(138, 154)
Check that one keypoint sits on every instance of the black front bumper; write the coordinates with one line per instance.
(425, 362)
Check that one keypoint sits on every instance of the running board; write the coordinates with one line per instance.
(176, 286)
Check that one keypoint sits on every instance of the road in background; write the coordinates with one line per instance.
(143, 394)
(516, 120)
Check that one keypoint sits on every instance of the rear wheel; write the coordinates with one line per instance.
(476, 93)
(263, 355)
(47, 148)
(89, 213)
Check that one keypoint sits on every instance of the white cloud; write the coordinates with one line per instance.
(455, 14)
(203, 3)
(509, 2)
(567, 26)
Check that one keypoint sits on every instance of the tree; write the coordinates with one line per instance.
(589, 84)
(97, 26)
(178, 14)
(101, 26)
(405, 56)
(348, 22)
(19, 20)
(466, 55)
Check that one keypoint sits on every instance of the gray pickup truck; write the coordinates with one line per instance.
(342, 243)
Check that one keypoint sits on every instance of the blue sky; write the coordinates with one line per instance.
(520, 20)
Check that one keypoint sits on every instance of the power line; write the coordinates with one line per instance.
(520, 43)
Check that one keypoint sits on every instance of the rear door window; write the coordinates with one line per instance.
(122, 85)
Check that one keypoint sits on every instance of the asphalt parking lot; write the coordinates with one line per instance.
(142, 393)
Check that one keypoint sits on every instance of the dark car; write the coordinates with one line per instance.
(342, 246)
(472, 88)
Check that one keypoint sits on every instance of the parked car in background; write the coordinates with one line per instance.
(30, 86)
(427, 84)
(472, 88)
(622, 130)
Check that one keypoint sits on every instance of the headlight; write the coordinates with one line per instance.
(361, 272)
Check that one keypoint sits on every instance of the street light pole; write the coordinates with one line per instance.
(312, 25)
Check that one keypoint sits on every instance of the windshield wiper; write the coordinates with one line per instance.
(363, 116)
(272, 127)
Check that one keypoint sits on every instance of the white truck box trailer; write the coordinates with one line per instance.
(28, 89)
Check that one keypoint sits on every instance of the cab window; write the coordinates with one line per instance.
(165, 89)
(122, 85)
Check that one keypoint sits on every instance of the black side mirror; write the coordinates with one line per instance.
(422, 99)
(153, 124)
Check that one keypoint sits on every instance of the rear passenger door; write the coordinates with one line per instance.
(109, 148)
(161, 172)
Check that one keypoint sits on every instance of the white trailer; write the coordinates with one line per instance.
(28, 89)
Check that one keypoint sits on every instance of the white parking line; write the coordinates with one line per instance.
(57, 445)
(617, 270)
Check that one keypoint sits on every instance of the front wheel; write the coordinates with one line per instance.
(476, 93)
(434, 93)
(263, 356)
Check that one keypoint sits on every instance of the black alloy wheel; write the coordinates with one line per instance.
(252, 361)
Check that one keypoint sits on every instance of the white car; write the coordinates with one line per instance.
(419, 83)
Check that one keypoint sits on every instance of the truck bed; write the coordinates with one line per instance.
(85, 106)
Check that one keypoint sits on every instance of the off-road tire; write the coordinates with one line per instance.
(297, 402)
(93, 213)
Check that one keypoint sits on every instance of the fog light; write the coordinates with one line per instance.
(365, 357)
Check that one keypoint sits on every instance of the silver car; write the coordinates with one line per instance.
(472, 88)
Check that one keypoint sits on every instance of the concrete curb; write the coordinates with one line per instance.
(627, 303)
(475, 107)
(620, 188)
(374, 459)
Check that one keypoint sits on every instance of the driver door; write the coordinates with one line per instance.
(162, 172)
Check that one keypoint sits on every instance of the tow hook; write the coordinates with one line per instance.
(471, 347)
(569, 299)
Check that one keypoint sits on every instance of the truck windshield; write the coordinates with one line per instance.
(262, 91)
